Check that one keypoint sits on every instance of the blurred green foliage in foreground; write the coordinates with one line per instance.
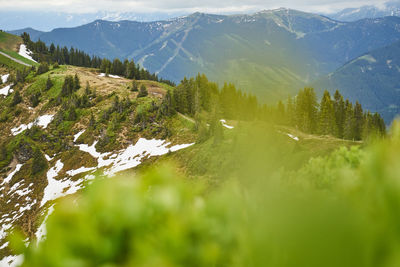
(339, 210)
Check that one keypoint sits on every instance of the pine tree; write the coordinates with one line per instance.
(290, 111)
(39, 162)
(92, 121)
(49, 83)
(340, 114)
(87, 88)
(349, 121)
(327, 120)
(307, 110)
(358, 121)
(72, 116)
(68, 86)
(16, 99)
(43, 68)
(77, 83)
(143, 91)
(135, 87)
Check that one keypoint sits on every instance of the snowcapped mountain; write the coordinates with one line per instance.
(391, 8)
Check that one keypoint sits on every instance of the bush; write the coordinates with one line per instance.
(43, 68)
(143, 91)
(153, 221)
(39, 162)
(135, 87)
(17, 98)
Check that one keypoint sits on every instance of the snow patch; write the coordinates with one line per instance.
(4, 78)
(293, 137)
(54, 187)
(23, 51)
(11, 175)
(226, 125)
(132, 156)
(5, 91)
(164, 45)
(109, 75)
(48, 158)
(42, 121)
(42, 230)
(79, 171)
(12, 261)
(76, 136)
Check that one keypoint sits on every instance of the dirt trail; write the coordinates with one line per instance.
(16, 60)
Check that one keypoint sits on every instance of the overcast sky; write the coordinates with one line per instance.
(183, 6)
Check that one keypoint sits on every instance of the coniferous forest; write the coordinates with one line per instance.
(333, 116)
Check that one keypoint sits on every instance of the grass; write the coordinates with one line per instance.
(6, 62)
(19, 57)
(9, 42)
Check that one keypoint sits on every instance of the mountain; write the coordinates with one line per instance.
(46, 20)
(373, 79)
(391, 8)
(35, 34)
(270, 53)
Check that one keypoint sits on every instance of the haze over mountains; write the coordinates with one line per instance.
(391, 8)
(270, 53)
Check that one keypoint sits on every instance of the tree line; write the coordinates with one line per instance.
(75, 57)
(201, 99)
(331, 116)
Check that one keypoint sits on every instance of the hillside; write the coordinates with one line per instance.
(13, 53)
(373, 79)
(50, 150)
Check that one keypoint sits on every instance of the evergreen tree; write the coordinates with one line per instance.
(135, 87)
(43, 68)
(349, 121)
(87, 88)
(143, 91)
(291, 112)
(72, 116)
(358, 121)
(92, 121)
(327, 120)
(49, 83)
(16, 99)
(340, 114)
(77, 83)
(167, 106)
(307, 110)
(68, 86)
(39, 162)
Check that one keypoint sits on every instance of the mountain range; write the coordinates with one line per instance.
(391, 8)
(373, 79)
(270, 53)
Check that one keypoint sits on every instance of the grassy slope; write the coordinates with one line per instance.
(9, 44)
(248, 142)
(57, 139)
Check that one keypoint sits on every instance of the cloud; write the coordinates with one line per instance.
(188, 6)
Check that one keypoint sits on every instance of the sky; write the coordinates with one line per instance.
(180, 6)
